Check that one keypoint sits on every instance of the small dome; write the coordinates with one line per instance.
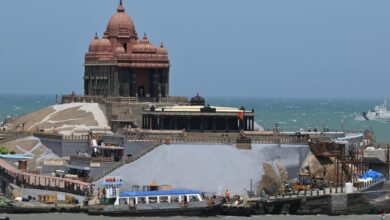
(162, 49)
(144, 46)
(197, 100)
(104, 45)
(120, 24)
(120, 50)
(94, 43)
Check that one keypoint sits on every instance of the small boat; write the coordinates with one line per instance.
(154, 203)
(378, 113)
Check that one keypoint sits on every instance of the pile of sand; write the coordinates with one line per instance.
(66, 119)
(209, 168)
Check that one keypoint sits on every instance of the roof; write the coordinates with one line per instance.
(196, 108)
(15, 156)
(112, 183)
(159, 193)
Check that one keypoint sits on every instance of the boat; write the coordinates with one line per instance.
(173, 202)
(378, 113)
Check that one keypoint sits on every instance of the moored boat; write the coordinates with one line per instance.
(378, 113)
(154, 203)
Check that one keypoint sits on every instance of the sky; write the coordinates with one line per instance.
(220, 48)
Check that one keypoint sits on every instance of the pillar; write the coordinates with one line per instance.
(133, 85)
(227, 124)
(175, 122)
(253, 124)
(201, 124)
(214, 123)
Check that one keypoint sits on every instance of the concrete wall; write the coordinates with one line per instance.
(64, 148)
(96, 171)
(54, 145)
(135, 147)
(71, 147)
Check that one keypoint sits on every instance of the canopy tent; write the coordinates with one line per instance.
(372, 174)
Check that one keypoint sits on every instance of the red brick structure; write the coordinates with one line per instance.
(120, 64)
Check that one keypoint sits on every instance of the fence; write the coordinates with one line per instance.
(37, 181)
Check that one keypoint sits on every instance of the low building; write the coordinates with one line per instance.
(198, 117)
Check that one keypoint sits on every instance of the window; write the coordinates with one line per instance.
(164, 199)
(141, 200)
(194, 198)
(152, 199)
(122, 201)
(174, 198)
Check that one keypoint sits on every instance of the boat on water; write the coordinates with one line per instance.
(378, 113)
(153, 203)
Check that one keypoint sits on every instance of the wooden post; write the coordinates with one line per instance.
(388, 161)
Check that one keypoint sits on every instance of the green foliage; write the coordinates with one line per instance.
(4, 150)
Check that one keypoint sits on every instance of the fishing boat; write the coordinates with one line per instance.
(174, 202)
(378, 113)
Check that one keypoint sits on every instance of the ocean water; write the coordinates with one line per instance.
(15, 105)
(291, 114)
(303, 113)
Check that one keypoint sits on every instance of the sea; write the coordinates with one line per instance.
(289, 114)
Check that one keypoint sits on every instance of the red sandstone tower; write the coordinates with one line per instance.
(119, 64)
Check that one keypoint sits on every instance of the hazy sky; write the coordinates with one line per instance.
(273, 48)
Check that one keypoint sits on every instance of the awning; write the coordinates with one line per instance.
(79, 167)
(108, 147)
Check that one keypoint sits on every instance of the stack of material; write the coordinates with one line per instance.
(209, 168)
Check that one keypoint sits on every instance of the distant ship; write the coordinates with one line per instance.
(379, 113)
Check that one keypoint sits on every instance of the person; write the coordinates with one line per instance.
(227, 195)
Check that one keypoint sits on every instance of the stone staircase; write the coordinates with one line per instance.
(124, 161)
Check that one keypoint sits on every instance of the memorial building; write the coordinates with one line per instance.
(121, 64)
(198, 117)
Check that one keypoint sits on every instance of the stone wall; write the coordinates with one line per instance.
(65, 148)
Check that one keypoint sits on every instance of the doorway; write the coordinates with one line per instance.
(141, 91)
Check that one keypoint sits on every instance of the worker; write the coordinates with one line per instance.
(227, 195)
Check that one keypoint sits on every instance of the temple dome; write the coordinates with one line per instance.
(94, 43)
(120, 50)
(104, 45)
(197, 100)
(144, 46)
(120, 24)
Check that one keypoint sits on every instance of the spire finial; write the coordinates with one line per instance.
(162, 45)
(96, 36)
(145, 36)
(120, 7)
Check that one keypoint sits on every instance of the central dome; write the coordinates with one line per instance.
(120, 24)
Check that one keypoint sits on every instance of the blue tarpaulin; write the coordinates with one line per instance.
(372, 174)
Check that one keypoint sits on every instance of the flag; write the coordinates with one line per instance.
(240, 115)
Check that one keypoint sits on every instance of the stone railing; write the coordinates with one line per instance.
(233, 140)
(60, 136)
(125, 99)
(308, 193)
(7, 136)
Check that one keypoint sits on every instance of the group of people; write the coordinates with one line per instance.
(235, 200)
